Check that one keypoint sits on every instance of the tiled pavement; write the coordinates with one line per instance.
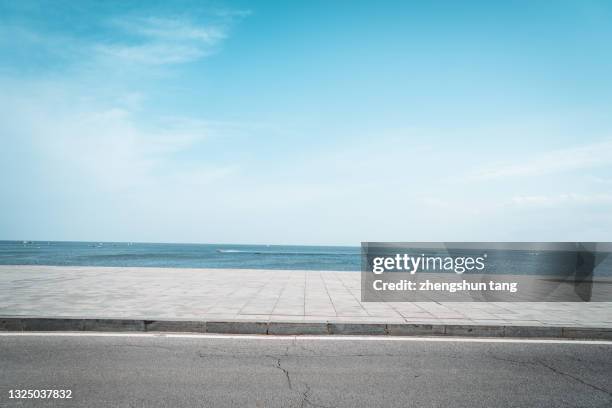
(262, 295)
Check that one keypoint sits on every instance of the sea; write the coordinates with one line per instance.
(285, 257)
(333, 258)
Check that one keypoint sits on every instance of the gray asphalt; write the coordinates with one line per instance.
(221, 372)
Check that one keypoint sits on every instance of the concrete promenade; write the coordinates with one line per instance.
(255, 296)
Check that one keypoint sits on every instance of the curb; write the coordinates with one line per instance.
(298, 328)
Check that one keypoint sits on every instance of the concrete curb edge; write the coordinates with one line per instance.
(299, 328)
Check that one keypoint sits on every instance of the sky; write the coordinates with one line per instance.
(315, 122)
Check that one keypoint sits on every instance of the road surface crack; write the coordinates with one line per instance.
(509, 360)
(554, 370)
(581, 381)
(285, 371)
(306, 399)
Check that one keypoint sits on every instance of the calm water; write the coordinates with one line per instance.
(180, 255)
(248, 256)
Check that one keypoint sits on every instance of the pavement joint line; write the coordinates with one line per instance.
(304, 338)
(255, 296)
(352, 294)
(280, 293)
(328, 295)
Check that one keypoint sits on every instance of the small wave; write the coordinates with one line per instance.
(285, 253)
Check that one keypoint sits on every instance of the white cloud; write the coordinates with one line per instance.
(117, 153)
(167, 29)
(92, 124)
(109, 147)
(160, 41)
(153, 53)
(136, 40)
(557, 161)
(601, 180)
(561, 200)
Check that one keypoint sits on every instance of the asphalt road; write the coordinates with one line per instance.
(147, 371)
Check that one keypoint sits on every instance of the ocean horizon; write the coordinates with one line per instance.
(242, 256)
(177, 255)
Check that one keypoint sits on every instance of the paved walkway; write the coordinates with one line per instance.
(258, 295)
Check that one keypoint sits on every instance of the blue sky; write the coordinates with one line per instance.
(306, 122)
